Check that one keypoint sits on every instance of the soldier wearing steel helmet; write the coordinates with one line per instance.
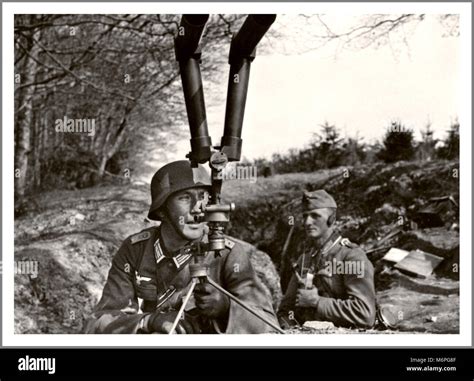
(333, 279)
(150, 272)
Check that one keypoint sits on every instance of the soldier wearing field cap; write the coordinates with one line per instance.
(333, 279)
(150, 273)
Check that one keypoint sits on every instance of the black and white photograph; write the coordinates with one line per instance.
(276, 173)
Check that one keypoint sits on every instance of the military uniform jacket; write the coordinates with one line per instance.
(344, 278)
(142, 278)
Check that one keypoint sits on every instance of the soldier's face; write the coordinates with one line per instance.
(183, 208)
(316, 222)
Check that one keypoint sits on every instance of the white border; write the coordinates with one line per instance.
(48, 340)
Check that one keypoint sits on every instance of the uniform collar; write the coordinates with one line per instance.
(179, 257)
(332, 241)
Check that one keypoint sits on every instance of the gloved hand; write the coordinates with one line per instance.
(307, 297)
(161, 322)
(210, 302)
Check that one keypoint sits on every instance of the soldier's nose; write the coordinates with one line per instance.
(196, 208)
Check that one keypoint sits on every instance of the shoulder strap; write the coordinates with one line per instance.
(139, 237)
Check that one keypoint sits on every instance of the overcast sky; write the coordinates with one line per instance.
(360, 91)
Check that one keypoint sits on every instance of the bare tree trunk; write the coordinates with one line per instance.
(38, 149)
(46, 124)
(102, 165)
(110, 151)
(23, 128)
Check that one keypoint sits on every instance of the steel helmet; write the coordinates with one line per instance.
(173, 177)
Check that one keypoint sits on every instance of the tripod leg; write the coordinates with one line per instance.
(183, 305)
(243, 305)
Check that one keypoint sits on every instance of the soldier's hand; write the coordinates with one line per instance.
(162, 322)
(210, 302)
(307, 298)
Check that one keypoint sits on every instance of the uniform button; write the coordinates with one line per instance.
(171, 287)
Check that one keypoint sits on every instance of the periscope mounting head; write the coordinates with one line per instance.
(216, 215)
